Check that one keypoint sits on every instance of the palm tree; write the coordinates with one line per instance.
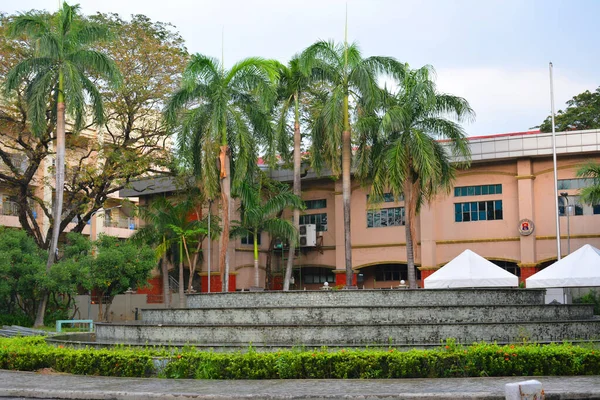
(293, 84)
(58, 72)
(262, 201)
(399, 150)
(351, 79)
(591, 193)
(223, 113)
(169, 224)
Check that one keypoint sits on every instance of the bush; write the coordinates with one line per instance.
(18, 318)
(590, 298)
(449, 361)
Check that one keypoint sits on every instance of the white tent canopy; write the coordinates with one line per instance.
(469, 269)
(579, 269)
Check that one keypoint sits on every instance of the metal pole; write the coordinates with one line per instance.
(554, 166)
(209, 240)
(568, 228)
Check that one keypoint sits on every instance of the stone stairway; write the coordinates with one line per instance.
(414, 318)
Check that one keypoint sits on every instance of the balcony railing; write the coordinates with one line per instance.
(9, 208)
(123, 223)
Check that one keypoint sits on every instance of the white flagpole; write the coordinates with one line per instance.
(555, 169)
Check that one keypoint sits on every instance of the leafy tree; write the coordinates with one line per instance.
(116, 267)
(591, 193)
(262, 201)
(350, 79)
(227, 108)
(21, 272)
(399, 148)
(135, 143)
(582, 112)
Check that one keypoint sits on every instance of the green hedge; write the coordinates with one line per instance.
(30, 354)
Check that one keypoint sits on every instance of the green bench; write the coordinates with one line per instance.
(60, 322)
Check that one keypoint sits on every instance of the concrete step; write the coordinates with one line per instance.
(348, 335)
(398, 297)
(365, 315)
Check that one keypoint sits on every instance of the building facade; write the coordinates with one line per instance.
(502, 207)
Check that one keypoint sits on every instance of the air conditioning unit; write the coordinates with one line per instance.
(308, 235)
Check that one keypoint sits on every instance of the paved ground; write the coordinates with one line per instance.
(16, 385)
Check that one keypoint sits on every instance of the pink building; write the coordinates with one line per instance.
(503, 208)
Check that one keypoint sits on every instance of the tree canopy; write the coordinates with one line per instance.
(582, 112)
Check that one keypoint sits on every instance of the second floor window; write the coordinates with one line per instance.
(315, 204)
(320, 220)
(478, 211)
(249, 239)
(386, 217)
(480, 190)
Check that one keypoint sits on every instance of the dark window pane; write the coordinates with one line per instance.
(458, 217)
(482, 206)
(457, 207)
(482, 215)
(578, 210)
(484, 189)
(369, 219)
(597, 209)
(471, 190)
(463, 191)
(498, 214)
(466, 217)
(498, 189)
(474, 216)
(465, 207)
(492, 189)
(456, 192)
(477, 190)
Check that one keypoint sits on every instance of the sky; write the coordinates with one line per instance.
(493, 53)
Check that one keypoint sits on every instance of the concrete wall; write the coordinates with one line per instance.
(122, 308)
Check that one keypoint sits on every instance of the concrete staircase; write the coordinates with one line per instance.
(414, 318)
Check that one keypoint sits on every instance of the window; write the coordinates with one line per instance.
(480, 190)
(315, 204)
(385, 217)
(318, 275)
(249, 239)
(320, 220)
(577, 183)
(478, 211)
(576, 207)
(389, 198)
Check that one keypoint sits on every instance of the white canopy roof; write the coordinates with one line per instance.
(469, 269)
(580, 268)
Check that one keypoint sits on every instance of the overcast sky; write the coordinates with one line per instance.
(493, 53)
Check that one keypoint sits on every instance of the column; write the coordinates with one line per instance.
(525, 178)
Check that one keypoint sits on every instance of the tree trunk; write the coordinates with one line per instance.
(100, 311)
(256, 269)
(410, 213)
(346, 193)
(181, 283)
(165, 274)
(58, 195)
(225, 202)
(269, 265)
(297, 192)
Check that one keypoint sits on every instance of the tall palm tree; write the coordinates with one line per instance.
(293, 84)
(399, 148)
(222, 114)
(351, 79)
(58, 72)
(591, 193)
(262, 201)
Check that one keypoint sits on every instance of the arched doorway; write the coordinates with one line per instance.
(384, 275)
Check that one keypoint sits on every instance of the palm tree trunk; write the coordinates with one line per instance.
(165, 274)
(269, 265)
(410, 207)
(190, 265)
(297, 192)
(346, 192)
(58, 196)
(256, 271)
(225, 199)
(181, 283)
